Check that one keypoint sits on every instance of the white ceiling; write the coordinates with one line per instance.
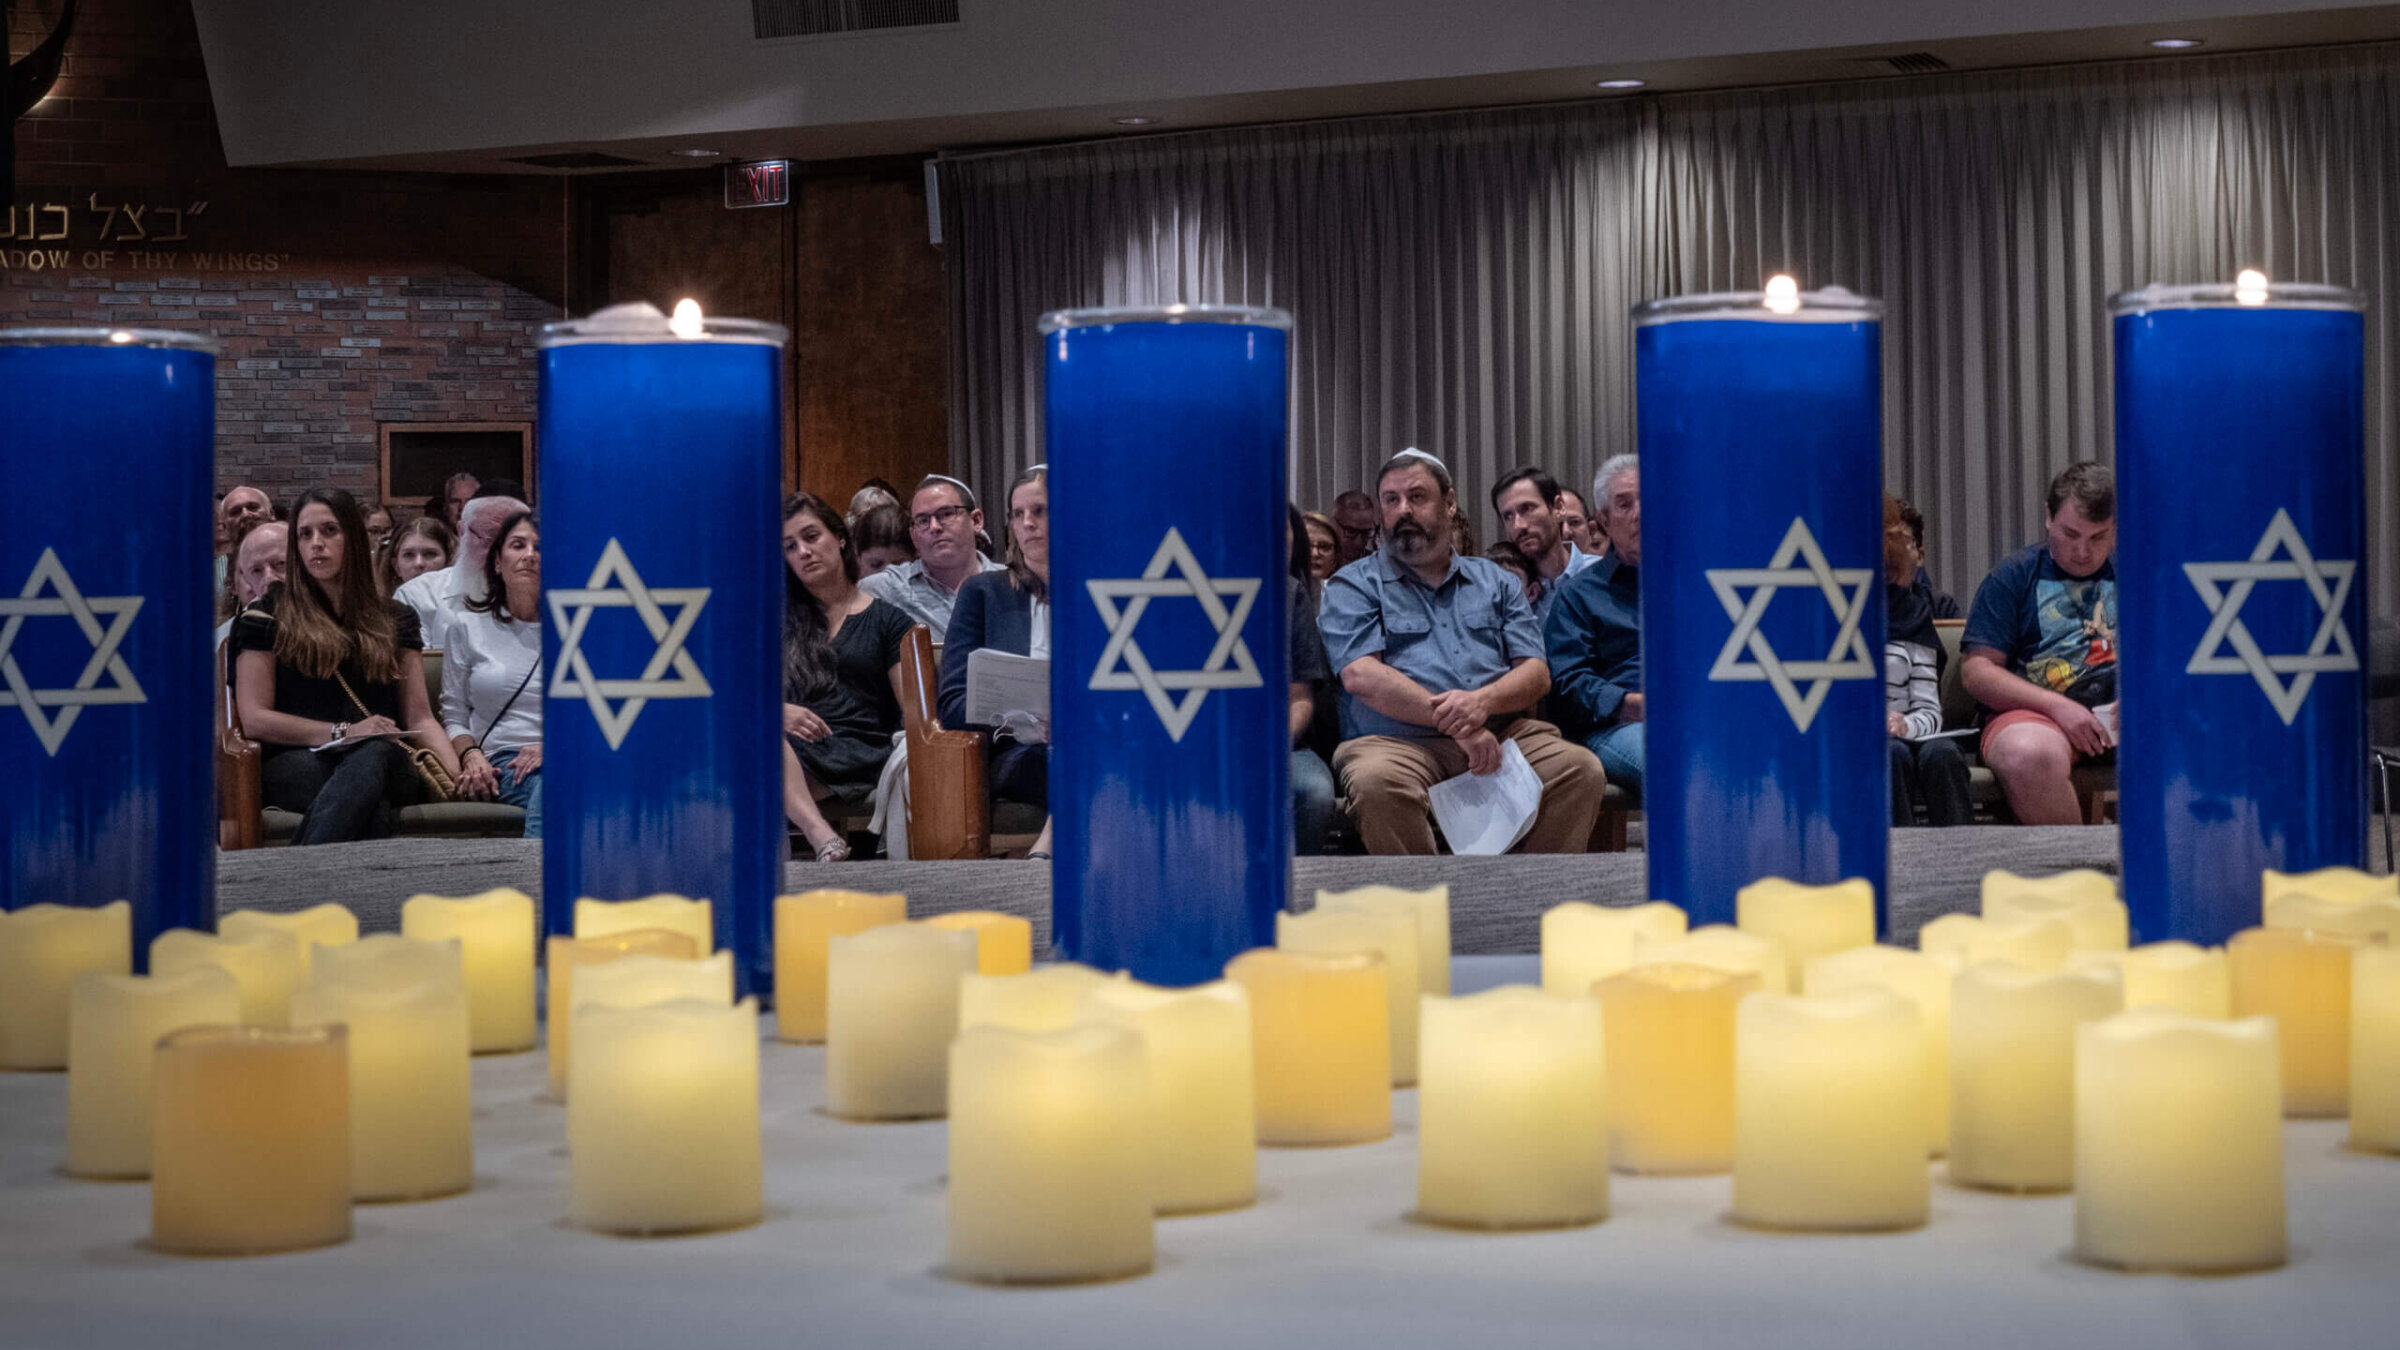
(468, 85)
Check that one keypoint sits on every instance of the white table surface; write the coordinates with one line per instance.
(847, 1257)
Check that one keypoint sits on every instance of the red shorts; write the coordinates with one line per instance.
(2016, 715)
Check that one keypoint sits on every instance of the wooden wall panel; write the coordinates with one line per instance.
(873, 390)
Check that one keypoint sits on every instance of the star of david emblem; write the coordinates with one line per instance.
(615, 585)
(2328, 584)
(1122, 665)
(1845, 590)
(65, 599)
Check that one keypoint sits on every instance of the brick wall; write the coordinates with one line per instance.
(342, 301)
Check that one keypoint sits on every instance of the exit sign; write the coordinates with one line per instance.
(765, 183)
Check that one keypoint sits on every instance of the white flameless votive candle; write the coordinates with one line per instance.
(695, 919)
(1389, 934)
(2375, 1048)
(112, 1051)
(1512, 1112)
(1970, 939)
(1049, 1156)
(326, 925)
(1322, 1045)
(411, 1133)
(2084, 900)
(2174, 975)
(2178, 1143)
(2376, 920)
(1810, 921)
(495, 931)
(1829, 1106)
(1431, 909)
(388, 961)
(2346, 885)
(562, 956)
(1041, 999)
(1203, 1122)
(1922, 980)
(662, 1117)
(1721, 947)
(804, 923)
(636, 980)
(1584, 943)
(891, 1010)
(1670, 1067)
(265, 964)
(250, 1146)
(43, 948)
(2300, 978)
(1003, 942)
(2012, 1072)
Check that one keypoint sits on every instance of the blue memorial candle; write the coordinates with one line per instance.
(661, 465)
(106, 724)
(2242, 550)
(1762, 594)
(1170, 772)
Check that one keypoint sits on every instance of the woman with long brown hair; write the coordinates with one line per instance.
(329, 676)
(841, 672)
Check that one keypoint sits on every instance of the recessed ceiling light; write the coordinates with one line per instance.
(1134, 121)
(2176, 44)
(1618, 84)
(698, 154)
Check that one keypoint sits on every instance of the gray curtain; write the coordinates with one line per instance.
(1460, 282)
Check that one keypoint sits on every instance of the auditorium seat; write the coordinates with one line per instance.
(2095, 784)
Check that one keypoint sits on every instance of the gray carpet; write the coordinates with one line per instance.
(1496, 903)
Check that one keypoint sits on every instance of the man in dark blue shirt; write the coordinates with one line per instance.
(2040, 650)
(1594, 634)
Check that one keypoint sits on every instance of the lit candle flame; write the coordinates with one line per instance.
(2250, 287)
(120, 336)
(1783, 294)
(686, 323)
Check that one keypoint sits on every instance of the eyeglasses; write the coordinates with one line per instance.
(927, 520)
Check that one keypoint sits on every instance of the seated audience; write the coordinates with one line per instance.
(492, 674)
(1462, 534)
(1594, 634)
(330, 680)
(1324, 546)
(379, 528)
(1007, 610)
(1928, 771)
(1313, 806)
(1355, 515)
(874, 493)
(2040, 650)
(423, 545)
(1527, 502)
(437, 597)
(880, 538)
(841, 673)
(944, 523)
(1576, 522)
(457, 490)
(257, 564)
(1439, 658)
(1516, 565)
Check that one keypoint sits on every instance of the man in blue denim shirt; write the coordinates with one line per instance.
(1594, 634)
(1439, 658)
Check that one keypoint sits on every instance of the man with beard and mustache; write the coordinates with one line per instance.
(1527, 502)
(1594, 634)
(1439, 658)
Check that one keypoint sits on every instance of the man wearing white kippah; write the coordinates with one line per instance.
(1440, 659)
(943, 520)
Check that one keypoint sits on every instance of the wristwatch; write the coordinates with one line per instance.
(340, 729)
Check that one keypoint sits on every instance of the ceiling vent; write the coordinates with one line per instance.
(1905, 63)
(578, 159)
(821, 18)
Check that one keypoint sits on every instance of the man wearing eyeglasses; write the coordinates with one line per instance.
(944, 520)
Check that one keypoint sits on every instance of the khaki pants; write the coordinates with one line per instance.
(1386, 779)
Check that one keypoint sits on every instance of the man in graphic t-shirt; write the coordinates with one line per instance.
(2041, 650)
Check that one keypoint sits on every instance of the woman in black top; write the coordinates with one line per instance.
(329, 676)
(841, 672)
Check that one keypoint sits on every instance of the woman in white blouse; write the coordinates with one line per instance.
(491, 702)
